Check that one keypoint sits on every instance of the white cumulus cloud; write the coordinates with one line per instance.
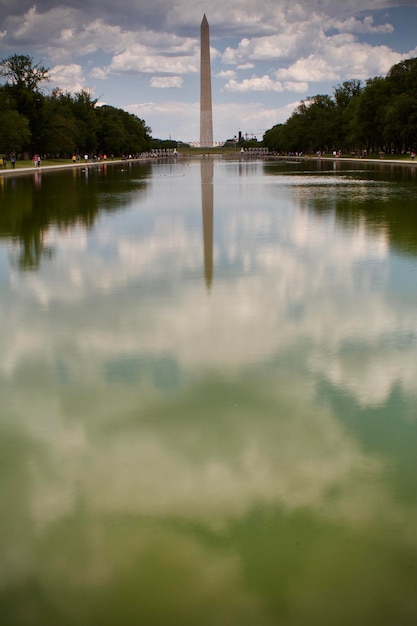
(68, 77)
(166, 82)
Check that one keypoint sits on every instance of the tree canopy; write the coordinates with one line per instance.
(22, 73)
(60, 124)
(380, 115)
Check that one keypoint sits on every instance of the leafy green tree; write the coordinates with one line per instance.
(22, 74)
(62, 123)
(24, 79)
(353, 136)
(272, 139)
(14, 127)
(119, 132)
(312, 126)
(288, 137)
(402, 77)
(401, 112)
(322, 122)
(400, 130)
(344, 93)
(111, 132)
(83, 109)
(382, 115)
(370, 115)
(293, 134)
(137, 134)
(346, 96)
(59, 134)
(14, 131)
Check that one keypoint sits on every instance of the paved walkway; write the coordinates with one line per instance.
(33, 170)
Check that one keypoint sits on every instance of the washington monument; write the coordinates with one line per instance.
(206, 113)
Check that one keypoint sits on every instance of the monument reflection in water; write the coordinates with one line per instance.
(214, 427)
(207, 211)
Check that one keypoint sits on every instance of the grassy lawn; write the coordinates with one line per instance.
(22, 164)
(46, 162)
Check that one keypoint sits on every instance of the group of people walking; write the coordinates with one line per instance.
(3, 161)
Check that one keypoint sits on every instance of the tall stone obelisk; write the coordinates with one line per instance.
(206, 112)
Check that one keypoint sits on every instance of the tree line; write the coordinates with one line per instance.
(378, 116)
(61, 124)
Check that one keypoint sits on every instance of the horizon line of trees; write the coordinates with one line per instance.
(378, 116)
(61, 124)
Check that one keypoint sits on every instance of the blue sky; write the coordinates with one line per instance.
(266, 55)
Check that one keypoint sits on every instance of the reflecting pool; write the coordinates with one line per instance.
(208, 383)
